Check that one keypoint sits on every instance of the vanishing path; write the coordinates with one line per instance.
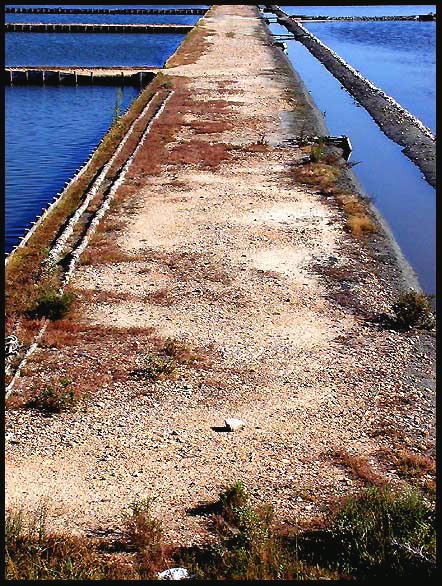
(215, 245)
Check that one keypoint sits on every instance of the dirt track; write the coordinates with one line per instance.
(231, 258)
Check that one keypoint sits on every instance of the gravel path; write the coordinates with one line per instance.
(235, 250)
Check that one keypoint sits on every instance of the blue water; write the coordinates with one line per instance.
(50, 131)
(404, 198)
(49, 134)
(110, 5)
(87, 49)
(399, 57)
(105, 18)
(360, 10)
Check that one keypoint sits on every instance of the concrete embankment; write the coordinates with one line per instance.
(394, 120)
(78, 27)
(135, 76)
(219, 262)
(415, 17)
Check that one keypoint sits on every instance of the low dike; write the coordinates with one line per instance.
(134, 76)
(48, 27)
(226, 252)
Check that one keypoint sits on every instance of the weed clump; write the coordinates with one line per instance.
(381, 533)
(317, 152)
(375, 533)
(412, 465)
(52, 304)
(411, 310)
(157, 367)
(56, 397)
(358, 220)
(180, 351)
(145, 535)
(34, 553)
(246, 541)
(163, 364)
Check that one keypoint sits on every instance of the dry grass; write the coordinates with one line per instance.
(193, 46)
(320, 175)
(209, 126)
(81, 347)
(358, 465)
(33, 552)
(199, 153)
(103, 249)
(412, 465)
(102, 296)
(71, 331)
(188, 266)
(164, 297)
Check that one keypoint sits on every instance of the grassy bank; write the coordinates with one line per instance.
(372, 534)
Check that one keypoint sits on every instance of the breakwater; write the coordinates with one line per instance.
(40, 27)
(415, 17)
(59, 10)
(394, 120)
(78, 76)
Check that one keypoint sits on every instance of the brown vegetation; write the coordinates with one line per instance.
(103, 249)
(193, 46)
(358, 465)
(188, 266)
(412, 465)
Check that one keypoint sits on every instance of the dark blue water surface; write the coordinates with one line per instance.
(88, 49)
(50, 131)
(360, 10)
(49, 134)
(399, 57)
(105, 18)
(404, 198)
(110, 6)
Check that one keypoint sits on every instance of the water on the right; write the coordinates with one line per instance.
(398, 57)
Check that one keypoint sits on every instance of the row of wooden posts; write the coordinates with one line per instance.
(41, 27)
(53, 77)
(59, 10)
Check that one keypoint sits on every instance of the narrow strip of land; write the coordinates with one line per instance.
(25, 75)
(228, 280)
(80, 27)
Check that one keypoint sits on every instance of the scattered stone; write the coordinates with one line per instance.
(10, 437)
(174, 574)
(234, 424)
